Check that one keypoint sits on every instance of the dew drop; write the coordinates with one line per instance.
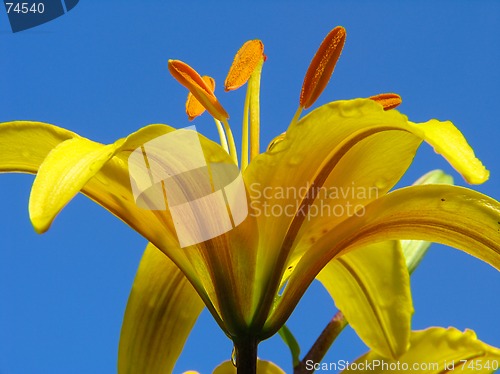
(233, 357)
(101, 178)
(295, 160)
(25, 154)
(381, 184)
(94, 166)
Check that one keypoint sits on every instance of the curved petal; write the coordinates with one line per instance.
(454, 216)
(263, 367)
(415, 250)
(295, 172)
(435, 351)
(448, 141)
(371, 287)
(161, 311)
(63, 173)
(281, 179)
(112, 186)
(365, 172)
(25, 144)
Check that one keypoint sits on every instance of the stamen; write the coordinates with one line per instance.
(321, 67)
(254, 88)
(193, 107)
(247, 67)
(244, 63)
(230, 138)
(222, 135)
(244, 132)
(190, 79)
(387, 100)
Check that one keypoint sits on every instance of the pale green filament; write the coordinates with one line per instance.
(222, 136)
(230, 138)
(297, 115)
(244, 131)
(254, 89)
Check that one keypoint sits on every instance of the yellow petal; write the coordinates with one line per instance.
(278, 181)
(451, 215)
(161, 311)
(310, 155)
(64, 172)
(263, 367)
(24, 145)
(193, 107)
(371, 287)
(415, 250)
(321, 68)
(246, 60)
(435, 351)
(190, 79)
(448, 141)
(367, 171)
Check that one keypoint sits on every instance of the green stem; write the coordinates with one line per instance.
(246, 356)
(322, 344)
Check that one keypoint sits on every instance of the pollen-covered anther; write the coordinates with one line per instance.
(193, 107)
(387, 100)
(244, 63)
(322, 65)
(190, 79)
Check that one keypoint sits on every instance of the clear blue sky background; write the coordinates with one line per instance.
(101, 70)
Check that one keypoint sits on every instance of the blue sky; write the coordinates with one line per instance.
(101, 71)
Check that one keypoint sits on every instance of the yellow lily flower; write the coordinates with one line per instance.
(433, 351)
(320, 192)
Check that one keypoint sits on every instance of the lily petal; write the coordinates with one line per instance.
(25, 144)
(415, 250)
(64, 172)
(448, 141)
(337, 130)
(161, 311)
(309, 152)
(436, 351)
(263, 367)
(371, 287)
(445, 214)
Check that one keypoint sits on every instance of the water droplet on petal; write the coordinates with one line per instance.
(95, 166)
(381, 183)
(295, 160)
(101, 178)
(233, 357)
(25, 154)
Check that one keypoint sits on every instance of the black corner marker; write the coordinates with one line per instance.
(25, 15)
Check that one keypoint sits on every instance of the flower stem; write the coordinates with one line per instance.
(246, 356)
(322, 344)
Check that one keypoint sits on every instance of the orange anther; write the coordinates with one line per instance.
(387, 100)
(193, 107)
(190, 79)
(321, 67)
(244, 63)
